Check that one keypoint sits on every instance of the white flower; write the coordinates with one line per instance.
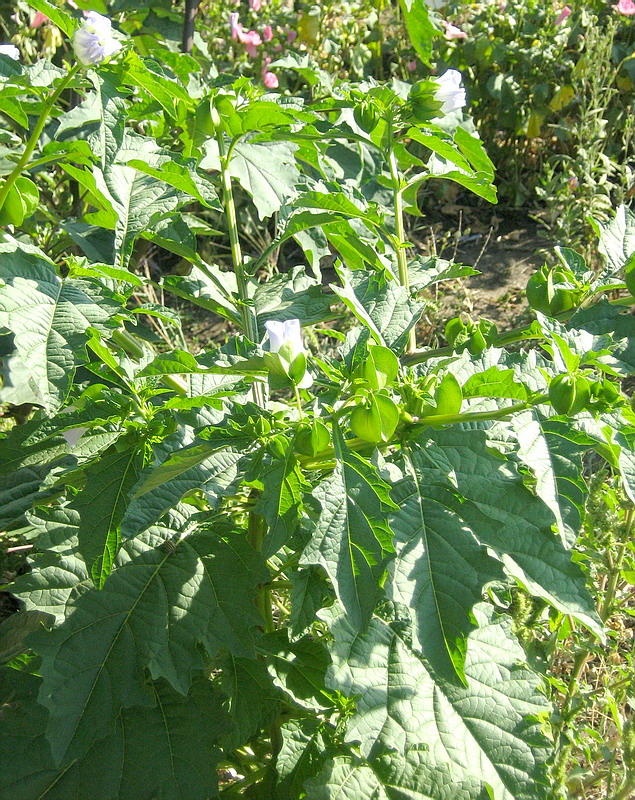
(93, 42)
(450, 91)
(285, 333)
(10, 50)
(285, 339)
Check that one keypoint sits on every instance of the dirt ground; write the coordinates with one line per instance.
(505, 245)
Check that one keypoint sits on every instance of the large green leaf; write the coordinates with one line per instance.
(604, 319)
(15, 629)
(58, 574)
(292, 295)
(617, 242)
(183, 464)
(304, 748)
(101, 505)
(380, 304)
(137, 200)
(420, 29)
(392, 778)
(253, 701)
(159, 610)
(486, 732)
(553, 451)
(489, 496)
(440, 569)
(267, 171)
(206, 286)
(49, 317)
(23, 488)
(162, 752)
(350, 537)
(280, 501)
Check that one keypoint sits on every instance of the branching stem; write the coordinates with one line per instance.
(36, 133)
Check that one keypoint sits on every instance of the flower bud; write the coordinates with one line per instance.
(93, 42)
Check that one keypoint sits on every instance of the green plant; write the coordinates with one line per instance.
(277, 566)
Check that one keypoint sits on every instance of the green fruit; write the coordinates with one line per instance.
(476, 343)
(278, 445)
(20, 202)
(366, 115)
(448, 396)
(569, 394)
(312, 439)
(553, 291)
(605, 392)
(380, 368)
(376, 421)
(423, 102)
(455, 332)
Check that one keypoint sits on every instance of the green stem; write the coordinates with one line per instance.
(509, 337)
(36, 133)
(298, 401)
(401, 242)
(474, 416)
(249, 324)
(324, 460)
(609, 595)
(249, 328)
(243, 783)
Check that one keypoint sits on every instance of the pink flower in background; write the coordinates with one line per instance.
(39, 19)
(267, 33)
(268, 78)
(291, 36)
(566, 12)
(235, 28)
(412, 65)
(626, 7)
(255, 5)
(452, 32)
(251, 40)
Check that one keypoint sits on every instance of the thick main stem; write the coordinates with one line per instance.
(400, 235)
(35, 134)
(249, 326)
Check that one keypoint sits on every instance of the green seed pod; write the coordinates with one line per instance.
(262, 427)
(376, 421)
(380, 368)
(455, 332)
(366, 115)
(20, 202)
(569, 394)
(366, 423)
(605, 392)
(476, 343)
(312, 439)
(553, 291)
(278, 445)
